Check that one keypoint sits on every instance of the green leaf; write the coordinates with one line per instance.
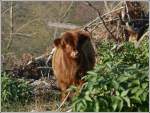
(91, 73)
(115, 102)
(135, 89)
(144, 85)
(139, 92)
(104, 101)
(97, 106)
(124, 93)
(127, 100)
(112, 55)
(120, 105)
(136, 82)
(79, 106)
(132, 67)
(114, 105)
(117, 93)
(115, 84)
(105, 87)
(87, 97)
(75, 102)
(84, 103)
(144, 96)
(122, 79)
(109, 65)
(136, 99)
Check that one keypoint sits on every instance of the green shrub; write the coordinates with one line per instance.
(119, 82)
(14, 90)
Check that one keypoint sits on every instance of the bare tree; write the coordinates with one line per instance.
(11, 26)
(62, 18)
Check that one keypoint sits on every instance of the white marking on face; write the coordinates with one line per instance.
(74, 54)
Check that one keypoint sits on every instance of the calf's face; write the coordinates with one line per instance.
(71, 43)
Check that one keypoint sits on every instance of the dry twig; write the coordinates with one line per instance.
(11, 26)
(144, 35)
(95, 21)
(101, 19)
(63, 101)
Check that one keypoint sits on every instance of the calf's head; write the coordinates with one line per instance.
(71, 43)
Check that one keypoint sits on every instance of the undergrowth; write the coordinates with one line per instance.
(14, 91)
(119, 82)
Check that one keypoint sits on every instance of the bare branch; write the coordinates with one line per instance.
(143, 36)
(62, 25)
(97, 18)
(69, 110)
(106, 6)
(63, 101)
(55, 33)
(21, 34)
(26, 24)
(120, 3)
(11, 26)
(118, 26)
(7, 10)
(67, 11)
(98, 24)
(24, 34)
(101, 19)
(62, 18)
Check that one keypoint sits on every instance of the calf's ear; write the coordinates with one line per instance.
(83, 36)
(57, 42)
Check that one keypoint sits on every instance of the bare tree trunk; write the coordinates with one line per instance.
(11, 26)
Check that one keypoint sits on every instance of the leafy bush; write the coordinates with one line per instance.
(14, 90)
(119, 82)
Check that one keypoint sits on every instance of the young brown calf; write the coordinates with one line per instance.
(73, 57)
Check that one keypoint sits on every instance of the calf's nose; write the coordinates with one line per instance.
(76, 53)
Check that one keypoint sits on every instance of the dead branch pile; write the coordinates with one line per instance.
(30, 67)
(126, 21)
